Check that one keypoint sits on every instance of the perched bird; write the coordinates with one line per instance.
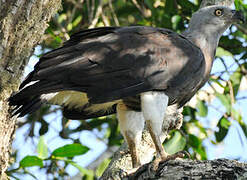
(134, 71)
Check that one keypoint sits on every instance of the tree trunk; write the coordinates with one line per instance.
(22, 24)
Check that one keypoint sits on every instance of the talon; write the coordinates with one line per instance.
(156, 162)
(153, 167)
(180, 154)
(123, 174)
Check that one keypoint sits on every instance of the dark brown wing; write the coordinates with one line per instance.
(115, 62)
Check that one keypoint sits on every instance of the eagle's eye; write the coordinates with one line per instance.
(218, 12)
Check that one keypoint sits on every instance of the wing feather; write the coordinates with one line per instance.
(112, 63)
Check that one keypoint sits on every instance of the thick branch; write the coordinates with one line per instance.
(188, 169)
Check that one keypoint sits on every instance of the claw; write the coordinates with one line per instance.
(155, 164)
(180, 154)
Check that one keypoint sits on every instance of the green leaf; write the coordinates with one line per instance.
(189, 111)
(114, 137)
(236, 80)
(29, 161)
(194, 141)
(187, 5)
(69, 27)
(232, 45)
(201, 151)
(225, 100)
(70, 150)
(202, 109)
(57, 39)
(88, 173)
(77, 20)
(175, 144)
(223, 126)
(222, 52)
(216, 81)
(237, 4)
(101, 168)
(62, 18)
(175, 21)
(225, 123)
(169, 7)
(42, 148)
(238, 117)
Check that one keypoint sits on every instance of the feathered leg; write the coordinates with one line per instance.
(131, 126)
(154, 107)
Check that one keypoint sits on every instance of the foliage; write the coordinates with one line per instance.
(224, 85)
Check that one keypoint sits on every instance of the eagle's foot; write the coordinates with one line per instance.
(180, 154)
(162, 159)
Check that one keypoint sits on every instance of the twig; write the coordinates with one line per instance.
(113, 13)
(220, 111)
(242, 98)
(78, 5)
(70, 15)
(224, 64)
(97, 15)
(231, 92)
(241, 28)
(142, 10)
(210, 84)
(105, 19)
(63, 30)
(90, 8)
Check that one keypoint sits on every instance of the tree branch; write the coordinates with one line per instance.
(193, 169)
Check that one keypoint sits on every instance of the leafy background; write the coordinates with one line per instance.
(50, 146)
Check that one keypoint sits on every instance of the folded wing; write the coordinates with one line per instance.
(108, 64)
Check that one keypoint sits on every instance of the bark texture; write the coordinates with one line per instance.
(22, 24)
(188, 169)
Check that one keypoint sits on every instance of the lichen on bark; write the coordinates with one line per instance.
(22, 24)
(217, 169)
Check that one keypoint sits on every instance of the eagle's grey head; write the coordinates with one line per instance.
(214, 19)
(207, 26)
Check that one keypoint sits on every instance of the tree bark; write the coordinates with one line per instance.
(22, 24)
(188, 169)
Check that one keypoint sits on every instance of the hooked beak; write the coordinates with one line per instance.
(238, 16)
